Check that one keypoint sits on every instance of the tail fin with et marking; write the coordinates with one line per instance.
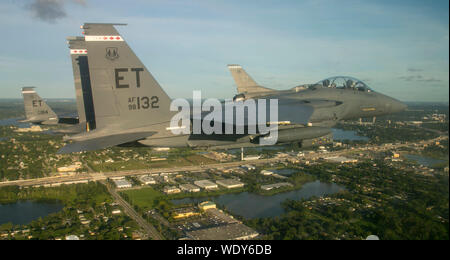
(125, 94)
(36, 109)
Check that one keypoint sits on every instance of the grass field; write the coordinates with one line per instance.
(144, 198)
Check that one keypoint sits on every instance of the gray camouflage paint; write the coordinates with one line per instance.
(36, 109)
(131, 106)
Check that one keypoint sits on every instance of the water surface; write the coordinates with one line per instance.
(250, 205)
(23, 212)
(425, 161)
(339, 134)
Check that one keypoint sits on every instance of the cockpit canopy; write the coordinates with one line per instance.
(344, 82)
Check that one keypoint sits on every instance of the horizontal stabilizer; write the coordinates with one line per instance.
(103, 142)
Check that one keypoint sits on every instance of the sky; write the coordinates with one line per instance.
(399, 48)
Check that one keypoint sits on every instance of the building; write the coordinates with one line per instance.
(184, 213)
(220, 217)
(147, 180)
(235, 231)
(157, 159)
(161, 149)
(251, 158)
(31, 129)
(206, 184)
(322, 149)
(218, 156)
(248, 167)
(116, 212)
(122, 184)
(276, 186)
(293, 160)
(189, 188)
(266, 172)
(71, 168)
(341, 159)
(72, 237)
(395, 155)
(207, 205)
(171, 190)
(230, 183)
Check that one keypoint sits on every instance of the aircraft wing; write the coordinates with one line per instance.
(103, 142)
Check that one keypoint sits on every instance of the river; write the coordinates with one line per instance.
(250, 205)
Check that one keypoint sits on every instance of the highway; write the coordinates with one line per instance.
(149, 229)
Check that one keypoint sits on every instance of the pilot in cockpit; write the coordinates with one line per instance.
(349, 83)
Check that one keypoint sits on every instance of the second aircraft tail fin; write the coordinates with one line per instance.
(36, 109)
(245, 84)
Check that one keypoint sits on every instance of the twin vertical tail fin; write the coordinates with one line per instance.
(245, 84)
(125, 94)
(36, 110)
(83, 90)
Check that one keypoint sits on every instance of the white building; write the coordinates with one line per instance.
(189, 188)
(230, 183)
(72, 237)
(206, 184)
(161, 149)
(276, 186)
(122, 184)
(252, 158)
(71, 168)
(341, 159)
(171, 190)
(248, 167)
(147, 180)
(266, 172)
(116, 212)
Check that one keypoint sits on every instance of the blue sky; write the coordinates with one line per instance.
(399, 48)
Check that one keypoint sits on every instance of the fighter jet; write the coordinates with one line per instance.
(45, 115)
(36, 109)
(334, 99)
(131, 107)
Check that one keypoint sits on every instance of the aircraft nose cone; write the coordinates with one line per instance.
(398, 106)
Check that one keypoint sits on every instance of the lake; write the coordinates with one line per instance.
(250, 205)
(425, 161)
(23, 212)
(339, 134)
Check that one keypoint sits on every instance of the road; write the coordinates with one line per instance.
(149, 229)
